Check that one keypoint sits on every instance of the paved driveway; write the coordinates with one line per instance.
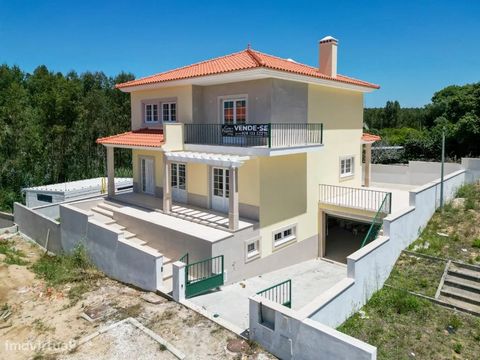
(309, 280)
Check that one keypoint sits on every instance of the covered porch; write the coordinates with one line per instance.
(164, 173)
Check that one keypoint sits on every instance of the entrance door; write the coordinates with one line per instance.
(220, 190)
(178, 182)
(147, 176)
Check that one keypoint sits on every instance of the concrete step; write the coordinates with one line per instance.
(460, 294)
(137, 241)
(102, 211)
(464, 272)
(129, 235)
(113, 204)
(103, 219)
(461, 305)
(106, 206)
(462, 283)
(118, 227)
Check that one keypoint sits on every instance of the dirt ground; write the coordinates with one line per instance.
(44, 323)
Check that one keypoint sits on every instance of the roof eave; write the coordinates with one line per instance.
(242, 75)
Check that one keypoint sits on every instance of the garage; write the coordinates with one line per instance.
(343, 236)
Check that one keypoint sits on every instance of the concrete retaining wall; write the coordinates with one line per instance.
(289, 336)
(116, 256)
(38, 227)
(6, 220)
(370, 266)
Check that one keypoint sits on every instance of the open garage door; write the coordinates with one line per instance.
(343, 236)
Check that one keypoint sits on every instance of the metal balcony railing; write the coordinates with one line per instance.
(357, 198)
(272, 135)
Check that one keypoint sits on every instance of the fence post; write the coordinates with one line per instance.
(178, 281)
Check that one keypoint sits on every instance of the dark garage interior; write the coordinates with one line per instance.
(343, 237)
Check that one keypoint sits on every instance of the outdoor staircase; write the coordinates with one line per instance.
(104, 212)
(461, 288)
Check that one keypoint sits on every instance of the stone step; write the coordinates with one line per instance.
(460, 294)
(462, 283)
(103, 219)
(113, 204)
(129, 235)
(106, 206)
(104, 212)
(461, 305)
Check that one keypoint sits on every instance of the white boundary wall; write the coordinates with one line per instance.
(294, 335)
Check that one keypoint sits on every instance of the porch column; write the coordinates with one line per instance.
(368, 160)
(110, 171)
(167, 191)
(233, 199)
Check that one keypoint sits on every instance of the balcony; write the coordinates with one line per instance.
(356, 198)
(269, 136)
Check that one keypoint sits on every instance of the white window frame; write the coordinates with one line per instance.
(251, 255)
(233, 98)
(152, 121)
(284, 238)
(343, 166)
(170, 103)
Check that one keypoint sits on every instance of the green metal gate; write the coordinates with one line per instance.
(204, 275)
(280, 293)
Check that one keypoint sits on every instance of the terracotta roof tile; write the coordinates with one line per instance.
(370, 137)
(243, 60)
(142, 137)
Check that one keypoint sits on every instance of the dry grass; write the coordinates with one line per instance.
(417, 274)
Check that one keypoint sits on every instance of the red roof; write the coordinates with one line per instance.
(243, 60)
(143, 137)
(370, 137)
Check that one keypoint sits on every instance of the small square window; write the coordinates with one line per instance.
(346, 166)
(252, 250)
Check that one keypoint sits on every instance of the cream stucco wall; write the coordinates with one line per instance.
(158, 164)
(181, 94)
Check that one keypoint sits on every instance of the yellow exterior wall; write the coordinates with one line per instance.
(183, 95)
(158, 155)
(197, 179)
(249, 183)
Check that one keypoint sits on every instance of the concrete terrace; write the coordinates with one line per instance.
(309, 280)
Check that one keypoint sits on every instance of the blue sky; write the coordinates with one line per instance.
(410, 48)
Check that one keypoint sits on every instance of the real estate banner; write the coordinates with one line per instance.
(254, 130)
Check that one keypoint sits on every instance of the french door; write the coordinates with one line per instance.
(220, 189)
(178, 182)
(147, 176)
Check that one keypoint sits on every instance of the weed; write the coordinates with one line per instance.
(41, 327)
(162, 347)
(476, 243)
(455, 322)
(167, 315)
(68, 268)
(215, 330)
(457, 347)
(12, 255)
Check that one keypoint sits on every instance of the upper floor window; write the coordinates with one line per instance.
(235, 111)
(151, 113)
(169, 113)
(346, 166)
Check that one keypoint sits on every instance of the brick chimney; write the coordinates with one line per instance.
(327, 56)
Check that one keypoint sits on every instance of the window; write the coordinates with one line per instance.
(169, 112)
(235, 111)
(178, 176)
(151, 113)
(44, 198)
(252, 249)
(284, 235)
(346, 166)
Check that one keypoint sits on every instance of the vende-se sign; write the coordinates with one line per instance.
(255, 130)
